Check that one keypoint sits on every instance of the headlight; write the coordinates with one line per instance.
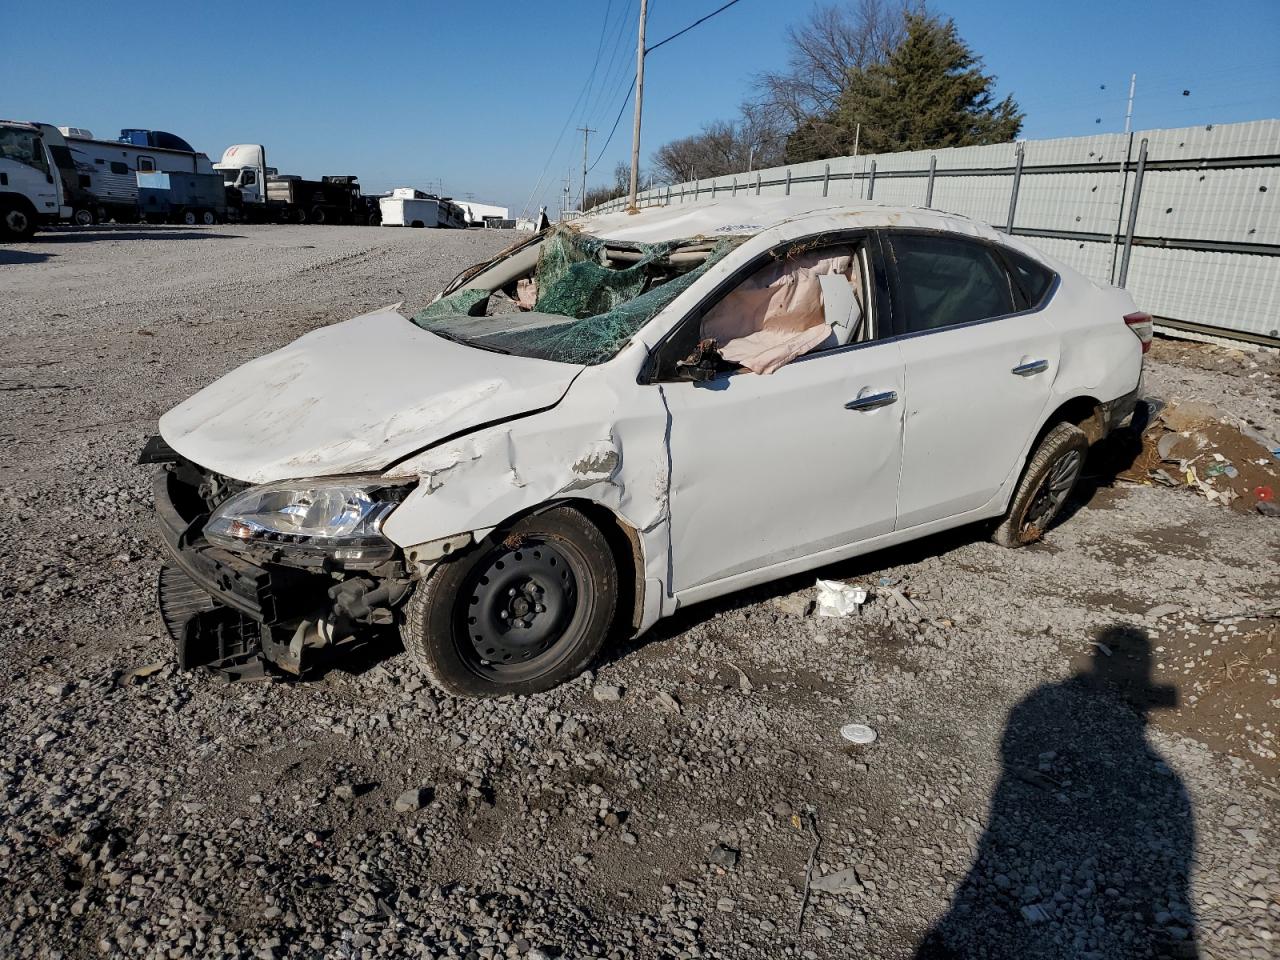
(336, 520)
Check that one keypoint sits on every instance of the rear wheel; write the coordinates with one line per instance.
(1047, 483)
(318, 215)
(208, 217)
(17, 222)
(522, 612)
(83, 217)
(190, 218)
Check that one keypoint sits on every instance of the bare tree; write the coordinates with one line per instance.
(833, 42)
(756, 139)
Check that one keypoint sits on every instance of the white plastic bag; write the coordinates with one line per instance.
(837, 599)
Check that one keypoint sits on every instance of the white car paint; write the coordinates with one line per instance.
(353, 397)
(723, 488)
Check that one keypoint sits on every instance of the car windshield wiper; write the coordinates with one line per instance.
(469, 343)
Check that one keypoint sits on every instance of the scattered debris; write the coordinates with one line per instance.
(842, 881)
(812, 821)
(858, 733)
(912, 608)
(414, 799)
(1198, 446)
(836, 599)
(1163, 610)
(137, 674)
(606, 693)
(724, 857)
(667, 702)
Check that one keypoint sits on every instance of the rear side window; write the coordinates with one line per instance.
(118, 167)
(1033, 278)
(947, 281)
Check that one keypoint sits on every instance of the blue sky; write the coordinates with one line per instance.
(474, 94)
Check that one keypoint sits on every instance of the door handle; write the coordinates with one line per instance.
(1031, 368)
(871, 401)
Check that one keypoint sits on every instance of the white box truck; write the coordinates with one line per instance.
(31, 188)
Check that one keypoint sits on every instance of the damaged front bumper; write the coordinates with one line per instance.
(229, 611)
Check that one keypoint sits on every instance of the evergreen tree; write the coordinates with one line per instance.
(930, 93)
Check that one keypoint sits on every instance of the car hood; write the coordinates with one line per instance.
(354, 397)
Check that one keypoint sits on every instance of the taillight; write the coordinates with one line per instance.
(1143, 326)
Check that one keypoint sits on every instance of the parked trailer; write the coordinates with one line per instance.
(407, 207)
(189, 198)
(106, 168)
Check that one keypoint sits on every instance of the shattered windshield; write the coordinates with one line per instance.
(581, 302)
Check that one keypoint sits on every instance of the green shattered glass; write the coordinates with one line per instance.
(594, 339)
(467, 302)
(602, 306)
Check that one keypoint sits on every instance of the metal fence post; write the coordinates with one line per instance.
(1013, 193)
(826, 178)
(871, 182)
(714, 184)
(928, 189)
(668, 194)
(735, 187)
(757, 184)
(788, 181)
(697, 188)
(1133, 212)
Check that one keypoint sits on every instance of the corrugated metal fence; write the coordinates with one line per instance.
(1188, 219)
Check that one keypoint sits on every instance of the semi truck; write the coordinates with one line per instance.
(31, 186)
(266, 195)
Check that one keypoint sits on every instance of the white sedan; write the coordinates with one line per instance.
(622, 416)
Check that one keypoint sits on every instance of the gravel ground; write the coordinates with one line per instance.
(1071, 762)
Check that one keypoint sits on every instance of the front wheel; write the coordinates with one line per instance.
(522, 612)
(1051, 475)
(17, 222)
(83, 217)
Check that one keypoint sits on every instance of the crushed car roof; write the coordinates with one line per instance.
(747, 216)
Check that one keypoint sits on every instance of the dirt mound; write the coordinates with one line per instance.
(1198, 446)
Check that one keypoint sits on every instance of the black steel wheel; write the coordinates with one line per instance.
(17, 222)
(520, 613)
(1046, 486)
(83, 217)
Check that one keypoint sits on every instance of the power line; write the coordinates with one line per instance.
(678, 33)
(614, 128)
(572, 112)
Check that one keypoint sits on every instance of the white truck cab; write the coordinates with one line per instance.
(31, 189)
(244, 166)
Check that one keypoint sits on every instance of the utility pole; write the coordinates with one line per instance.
(586, 132)
(635, 132)
(1128, 114)
(564, 199)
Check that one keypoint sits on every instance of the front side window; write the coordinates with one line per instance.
(22, 146)
(948, 281)
(146, 163)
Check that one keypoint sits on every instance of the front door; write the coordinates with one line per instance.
(765, 469)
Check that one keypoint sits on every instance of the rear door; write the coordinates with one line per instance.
(979, 367)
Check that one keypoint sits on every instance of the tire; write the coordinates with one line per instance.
(208, 218)
(1050, 477)
(317, 215)
(300, 216)
(17, 222)
(552, 573)
(190, 218)
(83, 217)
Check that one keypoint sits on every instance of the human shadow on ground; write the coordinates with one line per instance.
(1091, 838)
